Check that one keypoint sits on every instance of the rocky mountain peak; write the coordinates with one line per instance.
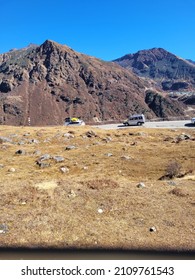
(48, 47)
(163, 67)
(157, 53)
(51, 82)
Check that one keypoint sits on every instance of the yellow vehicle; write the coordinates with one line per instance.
(74, 121)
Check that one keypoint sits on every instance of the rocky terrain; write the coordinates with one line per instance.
(85, 187)
(50, 82)
(171, 74)
(168, 70)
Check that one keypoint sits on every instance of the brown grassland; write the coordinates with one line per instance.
(97, 203)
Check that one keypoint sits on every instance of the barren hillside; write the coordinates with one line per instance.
(50, 82)
(170, 71)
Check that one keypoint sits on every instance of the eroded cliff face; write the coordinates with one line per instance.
(50, 82)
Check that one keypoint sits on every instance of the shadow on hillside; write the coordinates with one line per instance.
(90, 254)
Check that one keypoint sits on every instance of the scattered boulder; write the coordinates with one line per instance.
(109, 154)
(20, 152)
(85, 167)
(68, 135)
(42, 164)
(1, 166)
(71, 147)
(100, 211)
(133, 143)
(12, 169)
(64, 169)
(72, 194)
(44, 157)
(34, 141)
(152, 229)
(182, 137)
(23, 203)
(126, 157)
(3, 228)
(58, 158)
(107, 139)
(141, 185)
(71, 132)
(5, 139)
(90, 134)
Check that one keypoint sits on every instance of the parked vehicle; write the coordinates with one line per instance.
(193, 120)
(74, 121)
(135, 120)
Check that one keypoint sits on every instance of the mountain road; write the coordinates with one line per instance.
(148, 124)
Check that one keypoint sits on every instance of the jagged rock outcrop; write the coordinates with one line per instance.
(161, 106)
(50, 82)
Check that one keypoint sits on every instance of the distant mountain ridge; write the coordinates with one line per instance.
(168, 70)
(16, 53)
(50, 82)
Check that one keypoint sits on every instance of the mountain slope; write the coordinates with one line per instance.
(169, 71)
(50, 82)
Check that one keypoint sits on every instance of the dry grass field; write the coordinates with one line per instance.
(90, 188)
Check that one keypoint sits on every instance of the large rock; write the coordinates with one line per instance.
(5, 86)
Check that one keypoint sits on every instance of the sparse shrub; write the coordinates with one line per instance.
(173, 169)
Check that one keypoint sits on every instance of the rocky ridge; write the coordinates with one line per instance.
(49, 82)
(170, 71)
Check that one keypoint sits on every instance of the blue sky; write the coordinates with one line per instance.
(107, 29)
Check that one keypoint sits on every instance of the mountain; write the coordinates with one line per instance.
(170, 72)
(14, 54)
(191, 61)
(50, 82)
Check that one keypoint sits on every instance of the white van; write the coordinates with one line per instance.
(135, 120)
(193, 120)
